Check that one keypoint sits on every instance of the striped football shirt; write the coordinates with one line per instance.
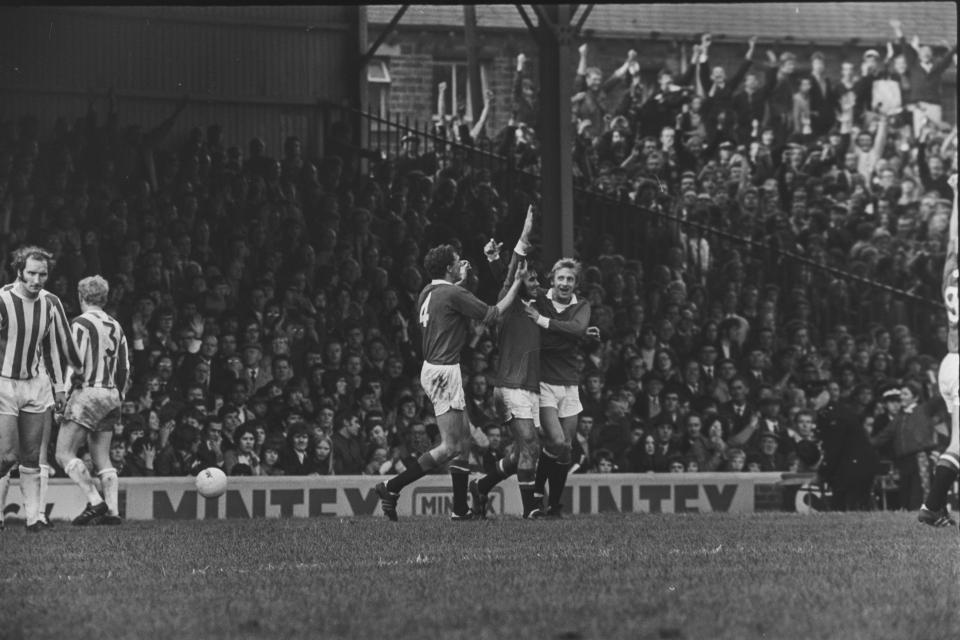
(103, 348)
(35, 331)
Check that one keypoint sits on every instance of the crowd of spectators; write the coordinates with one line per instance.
(270, 300)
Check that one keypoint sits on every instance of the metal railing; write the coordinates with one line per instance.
(836, 295)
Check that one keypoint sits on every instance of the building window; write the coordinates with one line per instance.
(458, 86)
(378, 87)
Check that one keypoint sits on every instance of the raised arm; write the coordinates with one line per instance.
(519, 253)
(943, 63)
(441, 101)
(881, 139)
(482, 120)
(741, 73)
(518, 79)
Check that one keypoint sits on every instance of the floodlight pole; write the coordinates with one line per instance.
(555, 37)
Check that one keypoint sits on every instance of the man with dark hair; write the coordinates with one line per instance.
(33, 331)
(348, 454)
(517, 382)
(924, 78)
(445, 311)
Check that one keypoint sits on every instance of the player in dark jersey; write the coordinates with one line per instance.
(934, 509)
(94, 409)
(36, 349)
(517, 382)
(445, 312)
(563, 319)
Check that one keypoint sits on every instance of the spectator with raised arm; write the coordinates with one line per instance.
(720, 117)
(589, 101)
(924, 74)
(526, 105)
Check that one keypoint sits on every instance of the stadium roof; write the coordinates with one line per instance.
(790, 21)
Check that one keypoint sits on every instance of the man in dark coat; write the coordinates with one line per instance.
(850, 463)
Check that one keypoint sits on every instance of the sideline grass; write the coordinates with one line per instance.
(851, 576)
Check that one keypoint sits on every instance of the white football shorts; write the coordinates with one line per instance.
(443, 384)
(565, 399)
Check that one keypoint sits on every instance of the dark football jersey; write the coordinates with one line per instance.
(445, 313)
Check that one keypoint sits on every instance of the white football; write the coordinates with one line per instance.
(211, 482)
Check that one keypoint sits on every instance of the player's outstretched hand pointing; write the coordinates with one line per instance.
(492, 249)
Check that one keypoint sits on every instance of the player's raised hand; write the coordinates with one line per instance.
(527, 224)
(464, 269)
(582, 49)
(492, 249)
(522, 271)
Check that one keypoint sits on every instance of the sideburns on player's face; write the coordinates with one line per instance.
(34, 275)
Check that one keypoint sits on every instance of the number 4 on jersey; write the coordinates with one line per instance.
(424, 310)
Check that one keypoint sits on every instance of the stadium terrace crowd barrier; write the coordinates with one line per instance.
(346, 496)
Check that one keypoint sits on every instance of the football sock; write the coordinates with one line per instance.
(460, 478)
(544, 464)
(111, 489)
(558, 480)
(409, 475)
(527, 498)
(4, 490)
(489, 481)
(44, 483)
(78, 473)
(943, 476)
(30, 486)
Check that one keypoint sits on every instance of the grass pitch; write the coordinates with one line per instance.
(851, 576)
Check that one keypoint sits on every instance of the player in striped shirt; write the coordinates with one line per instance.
(445, 313)
(934, 510)
(94, 408)
(35, 348)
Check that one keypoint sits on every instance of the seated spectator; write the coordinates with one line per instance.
(270, 458)
(347, 447)
(294, 459)
(139, 462)
(243, 459)
(603, 462)
(179, 456)
(321, 461)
